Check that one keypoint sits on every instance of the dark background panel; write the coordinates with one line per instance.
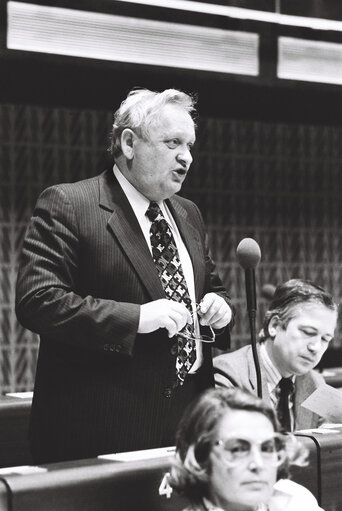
(267, 164)
(277, 182)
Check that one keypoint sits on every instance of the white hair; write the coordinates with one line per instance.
(142, 108)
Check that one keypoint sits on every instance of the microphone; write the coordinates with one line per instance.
(267, 291)
(249, 254)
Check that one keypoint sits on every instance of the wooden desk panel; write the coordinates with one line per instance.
(330, 456)
(308, 476)
(102, 485)
(14, 421)
(4, 497)
(94, 485)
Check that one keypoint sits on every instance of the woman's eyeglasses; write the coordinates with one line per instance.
(237, 449)
(188, 331)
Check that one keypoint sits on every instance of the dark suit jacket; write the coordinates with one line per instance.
(85, 269)
(237, 369)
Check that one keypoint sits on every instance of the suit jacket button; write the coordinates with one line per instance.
(167, 393)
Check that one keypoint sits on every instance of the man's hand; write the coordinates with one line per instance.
(163, 313)
(214, 311)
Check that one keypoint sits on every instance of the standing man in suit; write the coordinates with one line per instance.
(113, 268)
(297, 329)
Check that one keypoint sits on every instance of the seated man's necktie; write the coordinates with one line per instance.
(166, 258)
(286, 389)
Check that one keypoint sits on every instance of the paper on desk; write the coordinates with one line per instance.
(326, 401)
(328, 425)
(139, 455)
(21, 395)
(22, 470)
(320, 431)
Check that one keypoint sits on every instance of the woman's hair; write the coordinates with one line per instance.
(196, 435)
(141, 109)
(289, 296)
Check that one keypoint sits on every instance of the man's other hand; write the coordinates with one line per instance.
(214, 311)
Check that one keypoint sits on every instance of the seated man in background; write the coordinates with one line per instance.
(297, 329)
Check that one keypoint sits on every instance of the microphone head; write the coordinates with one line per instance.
(248, 253)
(268, 290)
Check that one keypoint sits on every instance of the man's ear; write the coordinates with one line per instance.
(272, 326)
(127, 140)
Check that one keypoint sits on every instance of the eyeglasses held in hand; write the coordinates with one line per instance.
(237, 449)
(188, 331)
(189, 334)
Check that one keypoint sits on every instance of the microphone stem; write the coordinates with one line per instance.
(251, 315)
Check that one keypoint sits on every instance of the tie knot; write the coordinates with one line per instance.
(153, 211)
(286, 385)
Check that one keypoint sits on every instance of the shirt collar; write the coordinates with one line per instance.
(208, 506)
(273, 376)
(137, 200)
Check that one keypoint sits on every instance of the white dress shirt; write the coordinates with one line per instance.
(273, 378)
(139, 204)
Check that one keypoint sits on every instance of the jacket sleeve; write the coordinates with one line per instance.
(224, 373)
(47, 301)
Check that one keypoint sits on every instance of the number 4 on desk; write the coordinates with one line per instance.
(165, 488)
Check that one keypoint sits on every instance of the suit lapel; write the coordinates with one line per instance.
(304, 386)
(125, 226)
(192, 242)
(252, 375)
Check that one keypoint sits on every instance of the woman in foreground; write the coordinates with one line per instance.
(230, 457)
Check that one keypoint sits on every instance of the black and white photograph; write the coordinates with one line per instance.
(170, 255)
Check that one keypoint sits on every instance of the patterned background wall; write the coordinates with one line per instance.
(277, 183)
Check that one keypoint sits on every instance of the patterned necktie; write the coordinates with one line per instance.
(286, 389)
(166, 258)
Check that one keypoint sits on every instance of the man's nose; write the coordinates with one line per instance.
(315, 344)
(185, 157)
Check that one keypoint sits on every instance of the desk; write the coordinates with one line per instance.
(329, 451)
(14, 421)
(92, 485)
(102, 485)
(4, 497)
(308, 476)
(333, 376)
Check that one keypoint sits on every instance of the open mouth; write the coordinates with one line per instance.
(180, 171)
